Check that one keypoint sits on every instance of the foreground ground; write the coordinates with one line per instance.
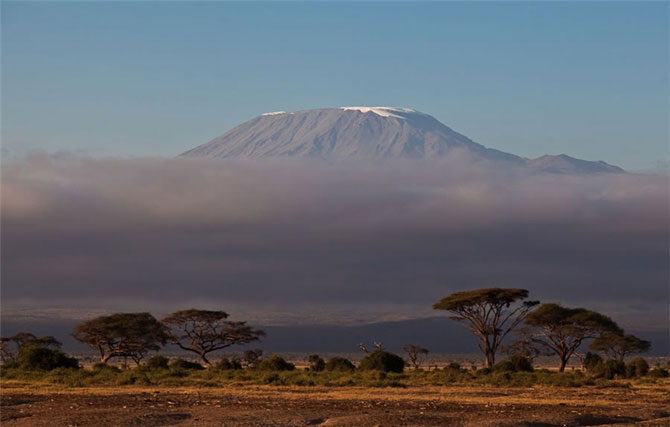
(23, 405)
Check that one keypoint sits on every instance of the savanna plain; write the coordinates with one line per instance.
(448, 395)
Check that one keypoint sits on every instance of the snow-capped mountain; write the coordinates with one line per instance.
(366, 132)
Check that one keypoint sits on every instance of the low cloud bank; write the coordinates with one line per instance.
(324, 242)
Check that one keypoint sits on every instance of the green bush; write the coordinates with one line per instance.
(227, 365)
(591, 361)
(339, 364)
(316, 363)
(609, 369)
(381, 360)
(521, 363)
(181, 364)
(104, 374)
(98, 367)
(483, 371)
(157, 362)
(273, 378)
(44, 359)
(658, 373)
(636, 368)
(132, 377)
(515, 363)
(504, 366)
(275, 363)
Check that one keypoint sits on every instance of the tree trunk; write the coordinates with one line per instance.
(204, 358)
(489, 354)
(490, 359)
(564, 362)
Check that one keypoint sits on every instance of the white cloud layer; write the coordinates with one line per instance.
(295, 236)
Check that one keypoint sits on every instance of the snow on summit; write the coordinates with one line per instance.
(381, 111)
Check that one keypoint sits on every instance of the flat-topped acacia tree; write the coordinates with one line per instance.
(618, 346)
(489, 313)
(561, 330)
(205, 331)
(122, 335)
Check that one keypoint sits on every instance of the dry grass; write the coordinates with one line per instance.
(26, 404)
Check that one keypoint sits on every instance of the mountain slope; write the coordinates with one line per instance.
(365, 132)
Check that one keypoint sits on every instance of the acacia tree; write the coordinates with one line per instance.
(559, 331)
(11, 346)
(618, 346)
(131, 335)
(204, 331)
(489, 313)
(414, 353)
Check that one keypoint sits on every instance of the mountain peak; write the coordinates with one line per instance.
(367, 133)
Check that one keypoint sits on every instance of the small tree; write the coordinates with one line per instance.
(489, 313)
(414, 354)
(204, 331)
(11, 346)
(122, 335)
(316, 363)
(618, 346)
(560, 331)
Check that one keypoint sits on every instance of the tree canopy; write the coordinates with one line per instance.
(489, 313)
(618, 346)
(11, 346)
(414, 353)
(560, 330)
(205, 331)
(122, 335)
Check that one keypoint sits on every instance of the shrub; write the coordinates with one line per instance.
(103, 373)
(100, 367)
(339, 364)
(483, 371)
(637, 367)
(659, 373)
(275, 363)
(381, 360)
(521, 363)
(515, 363)
(591, 361)
(316, 363)
(504, 366)
(227, 364)
(181, 364)
(272, 378)
(132, 377)
(252, 357)
(44, 359)
(609, 369)
(157, 362)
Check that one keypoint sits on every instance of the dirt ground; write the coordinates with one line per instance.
(346, 406)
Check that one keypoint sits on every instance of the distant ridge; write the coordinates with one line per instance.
(368, 133)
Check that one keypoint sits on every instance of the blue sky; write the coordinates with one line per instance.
(154, 79)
